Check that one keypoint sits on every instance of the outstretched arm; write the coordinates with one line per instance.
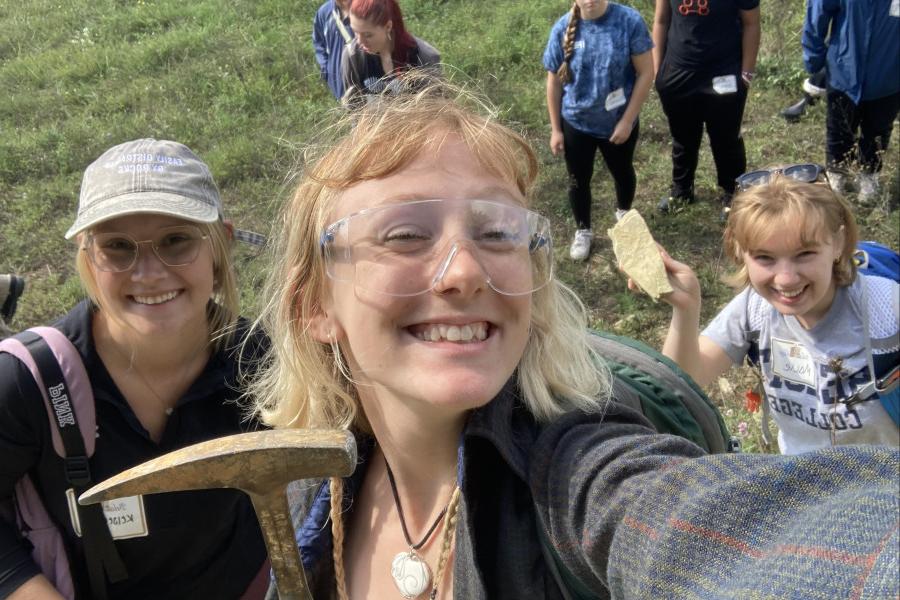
(646, 516)
(699, 356)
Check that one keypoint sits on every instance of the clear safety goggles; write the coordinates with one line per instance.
(405, 249)
(806, 172)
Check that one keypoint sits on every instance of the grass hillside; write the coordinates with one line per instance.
(237, 82)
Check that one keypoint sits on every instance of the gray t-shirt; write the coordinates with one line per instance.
(807, 372)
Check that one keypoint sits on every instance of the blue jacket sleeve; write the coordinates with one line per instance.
(648, 516)
(318, 37)
(819, 15)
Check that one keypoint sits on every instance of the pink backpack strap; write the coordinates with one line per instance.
(81, 401)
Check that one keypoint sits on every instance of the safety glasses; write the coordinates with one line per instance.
(405, 249)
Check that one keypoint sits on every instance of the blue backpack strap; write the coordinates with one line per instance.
(59, 372)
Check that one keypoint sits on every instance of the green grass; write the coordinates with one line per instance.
(237, 82)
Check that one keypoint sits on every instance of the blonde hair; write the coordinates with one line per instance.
(565, 72)
(819, 213)
(223, 313)
(302, 383)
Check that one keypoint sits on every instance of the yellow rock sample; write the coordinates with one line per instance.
(638, 255)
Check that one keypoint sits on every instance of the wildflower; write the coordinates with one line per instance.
(752, 401)
(742, 429)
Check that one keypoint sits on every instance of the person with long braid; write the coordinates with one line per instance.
(412, 302)
(599, 72)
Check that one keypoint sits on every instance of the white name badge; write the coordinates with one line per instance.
(895, 8)
(793, 362)
(725, 84)
(615, 99)
(124, 516)
(579, 45)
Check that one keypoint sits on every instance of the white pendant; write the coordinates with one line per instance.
(411, 574)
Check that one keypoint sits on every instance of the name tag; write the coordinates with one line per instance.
(616, 99)
(579, 45)
(124, 516)
(793, 362)
(895, 8)
(725, 84)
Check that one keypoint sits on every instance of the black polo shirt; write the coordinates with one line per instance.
(203, 544)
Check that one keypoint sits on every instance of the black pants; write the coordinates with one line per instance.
(722, 116)
(580, 149)
(872, 118)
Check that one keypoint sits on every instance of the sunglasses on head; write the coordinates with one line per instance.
(807, 173)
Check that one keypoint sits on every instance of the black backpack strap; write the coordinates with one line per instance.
(99, 549)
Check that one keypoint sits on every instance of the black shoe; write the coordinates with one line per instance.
(793, 112)
(674, 204)
(725, 201)
(16, 287)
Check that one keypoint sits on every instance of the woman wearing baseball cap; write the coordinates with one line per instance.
(160, 338)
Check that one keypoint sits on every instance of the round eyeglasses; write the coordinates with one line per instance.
(405, 249)
(116, 252)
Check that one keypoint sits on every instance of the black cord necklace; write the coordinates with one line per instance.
(410, 571)
(403, 520)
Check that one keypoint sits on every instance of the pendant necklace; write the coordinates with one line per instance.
(168, 410)
(410, 571)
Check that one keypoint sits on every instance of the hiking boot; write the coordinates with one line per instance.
(793, 112)
(11, 287)
(674, 204)
(869, 188)
(581, 245)
(725, 201)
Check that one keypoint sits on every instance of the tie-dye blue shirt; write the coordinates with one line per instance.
(600, 65)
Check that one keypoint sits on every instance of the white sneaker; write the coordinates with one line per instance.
(837, 181)
(581, 245)
(620, 213)
(869, 187)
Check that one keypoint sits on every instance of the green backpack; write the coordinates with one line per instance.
(651, 383)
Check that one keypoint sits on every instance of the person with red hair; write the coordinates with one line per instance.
(381, 51)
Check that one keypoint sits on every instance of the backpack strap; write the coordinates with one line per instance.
(59, 373)
(342, 29)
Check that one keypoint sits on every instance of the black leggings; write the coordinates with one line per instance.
(580, 150)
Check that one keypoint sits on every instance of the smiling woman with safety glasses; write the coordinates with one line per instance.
(412, 302)
(159, 337)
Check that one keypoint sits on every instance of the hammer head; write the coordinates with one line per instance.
(255, 462)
